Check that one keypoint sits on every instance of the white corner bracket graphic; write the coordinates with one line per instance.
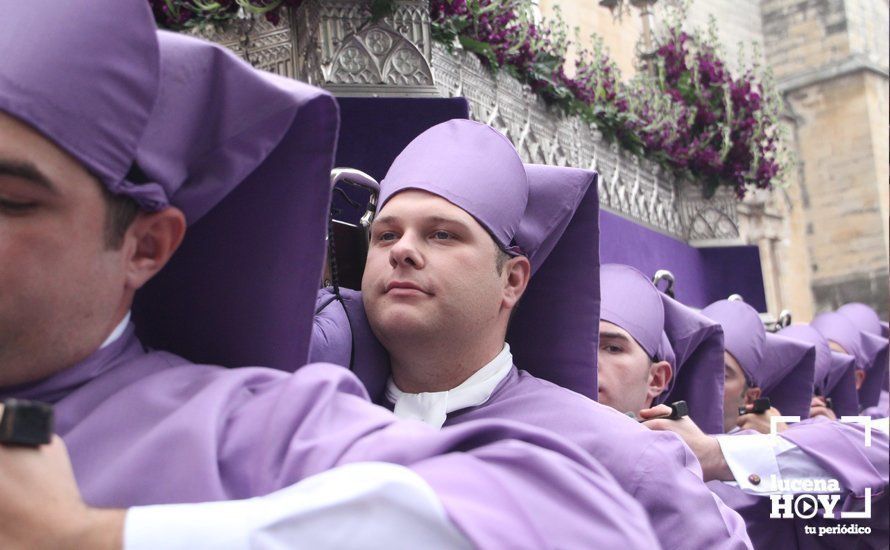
(866, 513)
(865, 421)
(774, 421)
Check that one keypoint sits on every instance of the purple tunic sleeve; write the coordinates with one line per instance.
(882, 409)
(656, 468)
(685, 512)
(840, 449)
(331, 337)
(503, 484)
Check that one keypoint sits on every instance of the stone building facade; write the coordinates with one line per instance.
(831, 62)
(823, 236)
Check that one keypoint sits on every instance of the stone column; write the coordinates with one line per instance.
(830, 58)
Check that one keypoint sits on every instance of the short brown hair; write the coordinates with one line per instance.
(500, 259)
(120, 211)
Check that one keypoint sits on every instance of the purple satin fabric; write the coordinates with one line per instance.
(210, 130)
(250, 167)
(150, 427)
(85, 74)
(337, 328)
(788, 374)
(882, 409)
(703, 275)
(470, 164)
(840, 330)
(877, 350)
(870, 351)
(555, 330)
(783, 368)
(839, 449)
(697, 343)
(875, 339)
(743, 335)
(649, 465)
(864, 317)
(833, 372)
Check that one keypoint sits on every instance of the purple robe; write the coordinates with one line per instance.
(148, 427)
(869, 350)
(656, 468)
(882, 409)
(840, 450)
(635, 455)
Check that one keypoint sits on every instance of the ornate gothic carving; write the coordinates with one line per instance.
(629, 185)
(339, 49)
(713, 219)
(259, 42)
(331, 43)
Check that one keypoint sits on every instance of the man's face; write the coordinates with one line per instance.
(623, 370)
(734, 389)
(430, 272)
(60, 287)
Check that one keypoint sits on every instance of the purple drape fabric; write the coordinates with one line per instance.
(151, 427)
(703, 275)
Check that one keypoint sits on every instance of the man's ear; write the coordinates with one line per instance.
(751, 395)
(660, 375)
(149, 243)
(518, 271)
(860, 378)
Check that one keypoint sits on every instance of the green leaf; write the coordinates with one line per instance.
(259, 10)
(480, 48)
(381, 9)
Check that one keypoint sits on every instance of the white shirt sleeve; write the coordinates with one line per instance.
(759, 463)
(358, 506)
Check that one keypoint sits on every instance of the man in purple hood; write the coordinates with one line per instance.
(113, 137)
(654, 349)
(875, 335)
(747, 468)
(873, 371)
(481, 286)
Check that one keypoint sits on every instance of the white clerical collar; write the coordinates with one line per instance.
(433, 407)
(117, 332)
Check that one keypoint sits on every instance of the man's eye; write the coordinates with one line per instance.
(16, 207)
(386, 236)
(612, 348)
(441, 235)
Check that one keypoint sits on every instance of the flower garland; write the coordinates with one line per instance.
(504, 34)
(688, 112)
(699, 120)
(185, 14)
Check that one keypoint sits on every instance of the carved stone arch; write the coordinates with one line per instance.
(712, 223)
(405, 65)
(352, 63)
(377, 55)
